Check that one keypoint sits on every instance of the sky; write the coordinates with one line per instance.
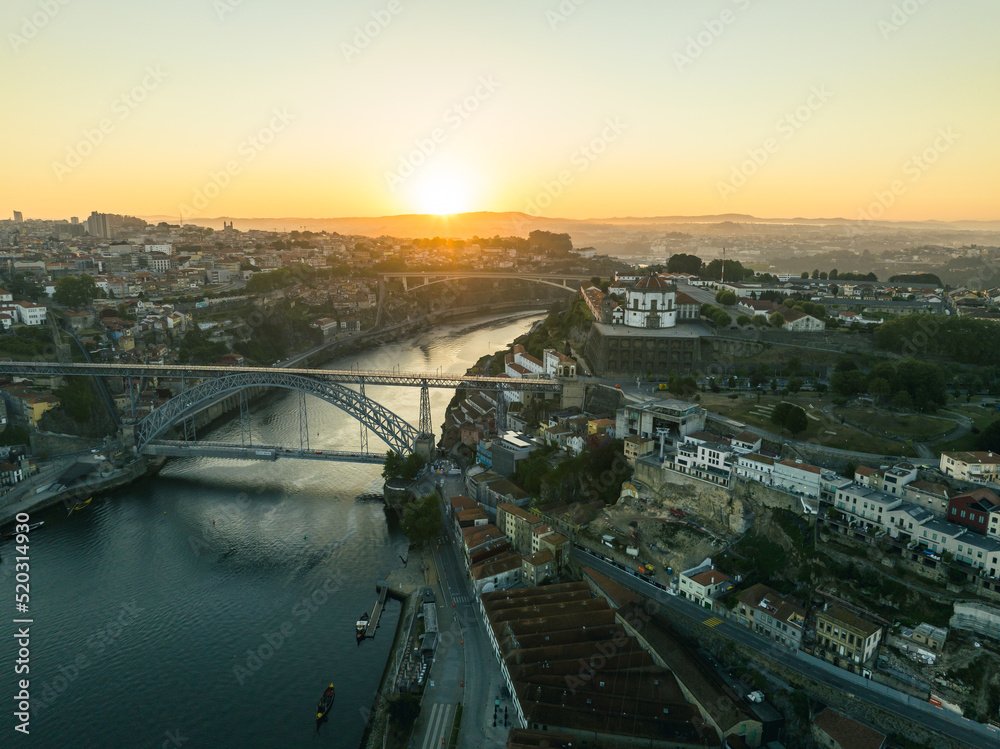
(571, 108)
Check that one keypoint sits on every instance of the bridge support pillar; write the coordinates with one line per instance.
(425, 426)
(127, 437)
(424, 445)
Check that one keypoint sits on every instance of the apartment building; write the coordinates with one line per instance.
(847, 639)
(975, 467)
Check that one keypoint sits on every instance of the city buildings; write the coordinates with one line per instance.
(846, 639)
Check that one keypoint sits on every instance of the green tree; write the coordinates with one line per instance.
(75, 292)
(744, 320)
(797, 421)
(682, 263)
(880, 388)
(833, 275)
(777, 320)
(795, 385)
(815, 274)
(393, 466)
(805, 274)
(989, 438)
(421, 519)
(76, 398)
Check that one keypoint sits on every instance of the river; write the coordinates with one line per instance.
(211, 605)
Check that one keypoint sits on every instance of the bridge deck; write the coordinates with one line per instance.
(261, 375)
(182, 449)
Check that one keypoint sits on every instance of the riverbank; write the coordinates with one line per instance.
(408, 582)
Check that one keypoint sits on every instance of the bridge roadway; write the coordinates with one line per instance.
(182, 449)
(566, 281)
(341, 376)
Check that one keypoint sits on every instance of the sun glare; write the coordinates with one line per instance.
(443, 195)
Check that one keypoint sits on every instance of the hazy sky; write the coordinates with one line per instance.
(575, 108)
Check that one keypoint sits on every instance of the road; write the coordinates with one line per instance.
(908, 708)
(476, 684)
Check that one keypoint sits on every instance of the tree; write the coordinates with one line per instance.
(833, 275)
(777, 320)
(595, 281)
(743, 320)
(834, 289)
(725, 297)
(398, 467)
(902, 400)
(75, 292)
(393, 466)
(795, 385)
(682, 263)
(989, 438)
(790, 417)
(879, 387)
(823, 276)
(805, 274)
(421, 519)
(76, 398)
(797, 420)
(815, 274)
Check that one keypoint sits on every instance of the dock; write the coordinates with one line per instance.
(383, 593)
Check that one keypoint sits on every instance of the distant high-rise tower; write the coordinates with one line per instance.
(99, 225)
(74, 219)
(18, 217)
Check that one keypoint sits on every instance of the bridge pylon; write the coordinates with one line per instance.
(424, 426)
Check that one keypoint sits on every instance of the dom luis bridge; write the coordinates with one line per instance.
(200, 387)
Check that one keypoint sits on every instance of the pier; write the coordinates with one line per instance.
(383, 593)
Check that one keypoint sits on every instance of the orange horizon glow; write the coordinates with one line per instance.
(577, 111)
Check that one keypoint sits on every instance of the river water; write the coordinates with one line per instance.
(210, 606)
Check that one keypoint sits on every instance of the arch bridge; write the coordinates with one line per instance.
(565, 281)
(199, 387)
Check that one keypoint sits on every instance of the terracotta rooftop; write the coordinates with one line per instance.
(848, 732)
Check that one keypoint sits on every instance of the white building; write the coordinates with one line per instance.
(651, 303)
(29, 313)
(166, 249)
(703, 584)
(796, 477)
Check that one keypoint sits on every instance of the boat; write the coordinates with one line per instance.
(325, 703)
(362, 625)
(31, 527)
(80, 505)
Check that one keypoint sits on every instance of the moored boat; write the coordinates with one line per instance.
(362, 624)
(31, 527)
(325, 703)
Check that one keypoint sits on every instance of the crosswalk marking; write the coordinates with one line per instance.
(713, 622)
(462, 599)
(438, 725)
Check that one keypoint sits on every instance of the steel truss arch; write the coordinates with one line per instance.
(399, 435)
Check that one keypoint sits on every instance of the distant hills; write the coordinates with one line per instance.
(512, 223)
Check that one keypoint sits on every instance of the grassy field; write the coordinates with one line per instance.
(914, 426)
(982, 416)
(822, 430)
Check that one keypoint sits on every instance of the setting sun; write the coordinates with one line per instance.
(443, 195)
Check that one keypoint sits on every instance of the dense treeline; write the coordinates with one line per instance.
(961, 340)
(906, 384)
